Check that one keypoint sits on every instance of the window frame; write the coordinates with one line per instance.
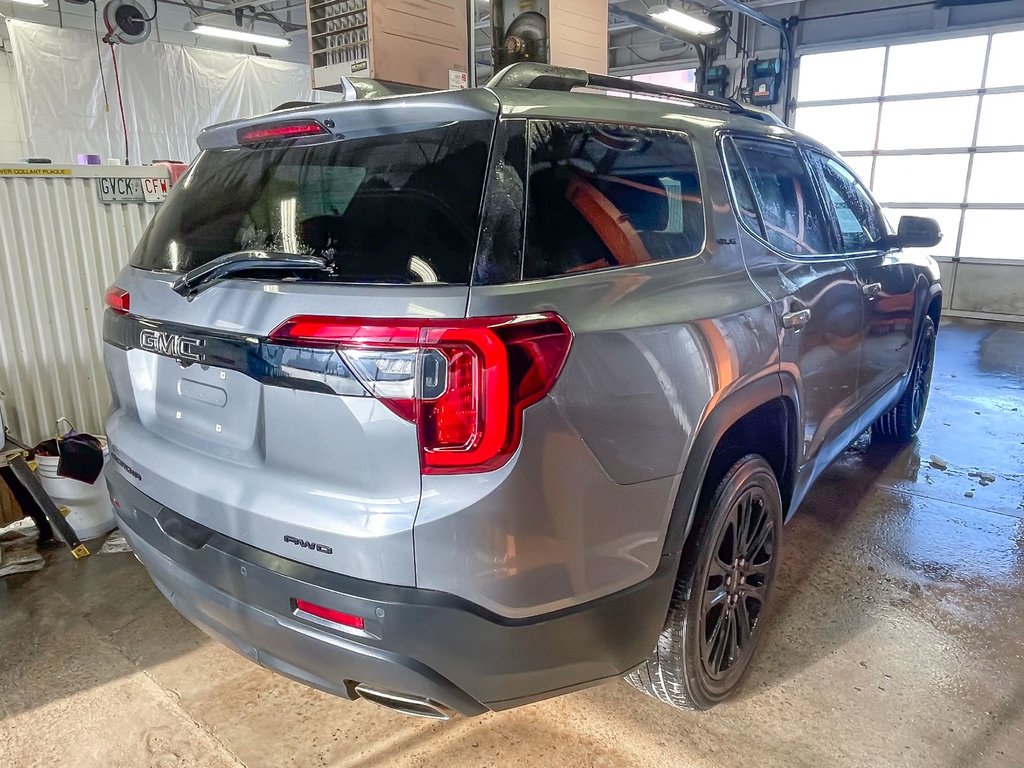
(728, 135)
(687, 136)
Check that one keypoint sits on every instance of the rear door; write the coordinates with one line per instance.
(788, 249)
(281, 443)
(887, 286)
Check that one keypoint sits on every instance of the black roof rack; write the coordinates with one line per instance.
(546, 77)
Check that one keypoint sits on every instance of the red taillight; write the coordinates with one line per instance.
(453, 420)
(465, 383)
(329, 614)
(280, 131)
(118, 300)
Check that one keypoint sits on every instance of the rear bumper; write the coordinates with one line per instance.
(415, 641)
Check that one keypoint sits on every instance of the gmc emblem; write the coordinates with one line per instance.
(305, 544)
(172, 345)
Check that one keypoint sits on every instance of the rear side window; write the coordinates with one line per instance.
(401, 208)
(746, 208)
(792, 219)
(604, 196)
(856, 214)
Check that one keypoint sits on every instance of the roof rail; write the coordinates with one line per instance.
(546, 77)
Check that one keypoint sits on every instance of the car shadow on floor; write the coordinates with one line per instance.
(62, 628)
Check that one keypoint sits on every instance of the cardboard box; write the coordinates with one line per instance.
(9, 510)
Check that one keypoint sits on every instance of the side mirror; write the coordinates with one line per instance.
(918, 232)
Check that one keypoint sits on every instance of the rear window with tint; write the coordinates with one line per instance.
(401, 208)
(609, 196)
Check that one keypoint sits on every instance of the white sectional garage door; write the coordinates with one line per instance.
(936, 129)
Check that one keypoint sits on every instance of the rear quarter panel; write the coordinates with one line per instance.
(655, 348)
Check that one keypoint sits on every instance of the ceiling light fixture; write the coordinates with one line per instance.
(228, 33)
(674, 17)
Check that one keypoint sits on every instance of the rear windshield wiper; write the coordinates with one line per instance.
(196, 280)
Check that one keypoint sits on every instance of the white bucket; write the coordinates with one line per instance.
(91, 514)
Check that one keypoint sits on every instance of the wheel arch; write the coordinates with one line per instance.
(934, 309)
(761, 417)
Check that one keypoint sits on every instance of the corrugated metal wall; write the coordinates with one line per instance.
(60, 248)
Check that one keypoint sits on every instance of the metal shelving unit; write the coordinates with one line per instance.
(394, 41)
(481, 43)
(339, 33)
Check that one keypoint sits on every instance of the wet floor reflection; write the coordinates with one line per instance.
(948, 509)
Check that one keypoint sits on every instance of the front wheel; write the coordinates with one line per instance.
(902, 422)
(719, 603)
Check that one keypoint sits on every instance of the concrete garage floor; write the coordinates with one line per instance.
(896, 640)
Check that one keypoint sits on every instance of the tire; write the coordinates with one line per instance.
(901, 422)
(684, 670)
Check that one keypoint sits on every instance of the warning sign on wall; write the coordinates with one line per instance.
(31, 171)
(457, 80)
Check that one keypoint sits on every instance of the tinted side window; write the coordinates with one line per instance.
(857, 218)
(603, 196)
(499, 257)
(746, 209)
(786, 198)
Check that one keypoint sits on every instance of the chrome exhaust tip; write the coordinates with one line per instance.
(415, 706)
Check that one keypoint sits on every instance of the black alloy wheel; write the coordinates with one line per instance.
(721, 598)
(736, 584)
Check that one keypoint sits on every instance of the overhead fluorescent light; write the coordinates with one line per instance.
(36, 3)
(243, 35)
(673, 17)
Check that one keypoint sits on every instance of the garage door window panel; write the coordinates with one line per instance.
(996, 178)
(928, 67)
(921, 178)
(947, 143)
(841, 74)
(1004, 65)
(842, 127)
(1000, 125)
(992, 234)
(928, 123)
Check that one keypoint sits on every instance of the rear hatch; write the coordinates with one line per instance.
(257, 427)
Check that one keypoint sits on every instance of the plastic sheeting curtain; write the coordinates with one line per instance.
(170, 93)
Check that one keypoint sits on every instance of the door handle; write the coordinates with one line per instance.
(797, 319)
(871, 290)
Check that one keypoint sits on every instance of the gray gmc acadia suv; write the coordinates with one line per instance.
(457, 401)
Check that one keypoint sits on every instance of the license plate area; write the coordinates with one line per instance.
(210, 409)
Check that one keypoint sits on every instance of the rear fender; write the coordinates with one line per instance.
(709, 435)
